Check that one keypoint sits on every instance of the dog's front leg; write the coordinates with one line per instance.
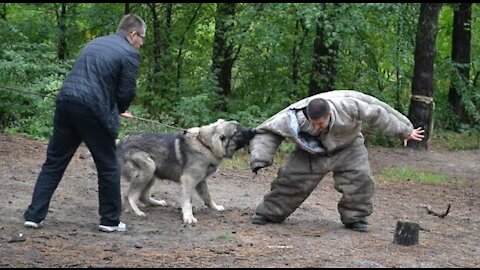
(187, 185)
(202, 189)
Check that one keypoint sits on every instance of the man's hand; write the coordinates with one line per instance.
(127, 114)
(416, 135)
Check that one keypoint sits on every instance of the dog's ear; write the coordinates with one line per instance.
(209, 135)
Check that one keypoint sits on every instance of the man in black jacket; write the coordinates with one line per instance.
(100, 87)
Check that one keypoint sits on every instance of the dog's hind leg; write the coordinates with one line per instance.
(133, 196)
(125, 206)
(204, 193)
(146, 196)
(140, 176)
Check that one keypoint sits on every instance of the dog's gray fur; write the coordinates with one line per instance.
(187, 157)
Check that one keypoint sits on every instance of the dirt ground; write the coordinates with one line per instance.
(312, 236)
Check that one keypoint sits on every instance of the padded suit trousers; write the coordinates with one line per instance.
(303, 171)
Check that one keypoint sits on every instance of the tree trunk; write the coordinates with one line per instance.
(160, 78)
(421, 105)
(161, 44)
(322, 78)
(223, 50)
(156, 41)
(62, 50)
(126, 9)
(295, 55)
(300, 28)
(398, 106)
(461, 45)
(3, 13)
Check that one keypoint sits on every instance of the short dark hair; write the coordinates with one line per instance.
(131, 22)
(318, 108)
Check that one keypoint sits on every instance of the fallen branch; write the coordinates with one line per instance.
(431, 212)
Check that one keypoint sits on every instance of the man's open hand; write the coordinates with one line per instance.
(416, 135)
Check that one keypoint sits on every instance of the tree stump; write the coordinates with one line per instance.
(406, 233)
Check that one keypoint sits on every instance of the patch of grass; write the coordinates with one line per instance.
(241, 160)
(404, 174)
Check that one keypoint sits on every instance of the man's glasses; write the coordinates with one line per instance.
(143, 37)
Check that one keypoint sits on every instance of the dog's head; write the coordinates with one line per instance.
(225, 137)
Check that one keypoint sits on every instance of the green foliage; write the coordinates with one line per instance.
(379, 139)
(377, 42)
(30, 78)
(250, 117)
(195, 110)
(145, 122)
(377, 48)
(38, 124)
(36, 116)
(197, 106)
(14, 106)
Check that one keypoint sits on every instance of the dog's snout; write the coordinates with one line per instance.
(251, 133)
(247, 133)
(243, 137)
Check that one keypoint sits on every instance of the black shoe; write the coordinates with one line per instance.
(357, 226)
(260, 220)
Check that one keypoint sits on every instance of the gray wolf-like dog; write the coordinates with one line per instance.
(188, 157)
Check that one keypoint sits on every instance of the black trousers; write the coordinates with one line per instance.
(74, 123)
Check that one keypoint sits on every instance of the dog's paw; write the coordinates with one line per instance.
(158, 202)
(218, 207)
(215, 206)
(189, 219)
(162, 203)
(140, 213)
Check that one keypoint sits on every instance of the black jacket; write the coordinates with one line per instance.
(103, 79)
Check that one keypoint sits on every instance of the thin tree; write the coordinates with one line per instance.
(325, 50)
(301, 33)
(461, 45)
(3, 13)
(223, 54)
(421, 105)
(161, 30)
(62, 49)
(156, 28)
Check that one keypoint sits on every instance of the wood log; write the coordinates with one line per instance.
(406, 233)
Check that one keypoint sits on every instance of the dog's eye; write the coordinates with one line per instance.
(222, 137)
